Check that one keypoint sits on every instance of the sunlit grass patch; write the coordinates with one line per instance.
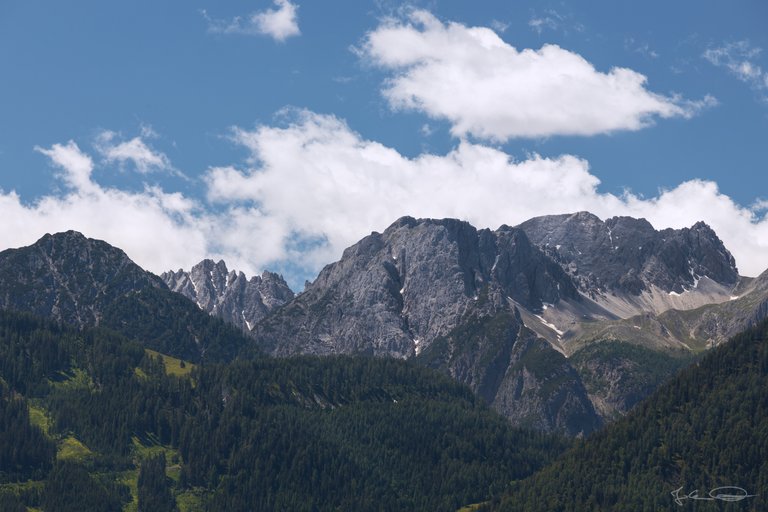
(173, 366)
(70, 448)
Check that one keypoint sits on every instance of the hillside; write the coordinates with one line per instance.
(87, 283)
(706, 428)
(87, 413)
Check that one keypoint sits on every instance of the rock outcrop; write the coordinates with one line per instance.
(229, 294)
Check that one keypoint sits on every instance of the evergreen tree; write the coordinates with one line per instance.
(154, 491)
(70, 488)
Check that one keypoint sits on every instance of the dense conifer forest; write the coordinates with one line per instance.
(90, 420)
(704, 430)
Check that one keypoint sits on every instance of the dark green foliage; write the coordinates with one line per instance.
(24, 450)
(154, 490)
(626, 372)
(10, 502)
(169, 323)
(348, 433)
(70, 488)
(481, 345)
(706, 428)
(31, 351)
(275, 434)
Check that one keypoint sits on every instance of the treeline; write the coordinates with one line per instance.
(25, 453)
(169, 323)
(265, 434)
(706, 429)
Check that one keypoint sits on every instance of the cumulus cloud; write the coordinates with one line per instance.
(158, 230)
(486, 88)
(135, 151)
(313, 186)
(318, 179)
(740, 59)
(279, 23)
(74, 165)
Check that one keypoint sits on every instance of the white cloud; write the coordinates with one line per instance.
(158, 230)
(550, 20)
(489, 89)
(643, 49)
(314, 187)
(135, 151)
(499, 26)
(279, 23)
(739, 59)
(76, 167)
(320, 180)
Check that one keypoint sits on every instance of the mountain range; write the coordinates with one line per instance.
(562, 323)
(247, 395)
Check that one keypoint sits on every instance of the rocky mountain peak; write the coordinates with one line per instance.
(69, 277)
(394, 292)
(229, 294)
(628, 256)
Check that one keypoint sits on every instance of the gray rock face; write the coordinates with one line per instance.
(628, 255)
(230, 295)
(446, 293)
(69, 277)
(713, 324)
(85, 282)
(498, 309)
(515, 371)
(393, 293)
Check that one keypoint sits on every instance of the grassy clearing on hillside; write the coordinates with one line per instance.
(39, 418)
(190, 500)
(472, 508)
(76, 379)
(131, 480)
(173, 366)
(70, 448)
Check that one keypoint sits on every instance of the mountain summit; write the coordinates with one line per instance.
(453, 297)
(229, 294)
(69, 277)
(394, 292)
(628, 267)
(85, 282)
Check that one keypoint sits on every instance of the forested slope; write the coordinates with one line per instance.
(705, 429)
(268, 434)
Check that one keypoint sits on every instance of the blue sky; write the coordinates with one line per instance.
(274, 134)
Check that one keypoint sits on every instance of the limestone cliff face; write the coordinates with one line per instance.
(500, 310)
(394, 293)
(446, 294)
(629, 255)
(515, 371)
(229, 294)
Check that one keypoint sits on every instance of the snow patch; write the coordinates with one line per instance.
(551, 326)
(734, 297)
(495, 262)
(247, 323)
